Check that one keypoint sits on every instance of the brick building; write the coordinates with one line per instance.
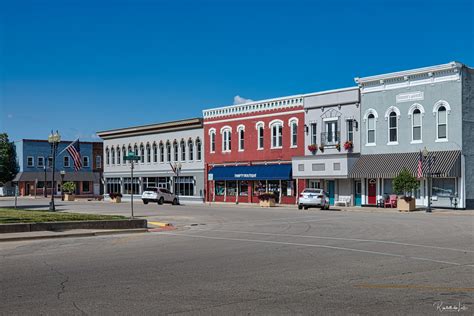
(249, 147)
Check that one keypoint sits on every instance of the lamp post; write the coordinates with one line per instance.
(45, 193)
(132, 158)
(426, 156)
(177, 169)
(53, 139)
(63, 173)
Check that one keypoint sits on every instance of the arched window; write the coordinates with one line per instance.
(107, 156)
(135, 150)
(175, 151)
(118, 155)
(124, 154)
(168, 151)
(226, 133)
(183, 150)
(416, 126)
(155, 152)
(294, 132)
(113, 155)
(392, 128)
(191, 150)
(198, 149)
(442, 123)
(142, 153)
(162, 152)
(371, 129)
(241, 133)
(212, 141)
(260, 135)
(148, 153)
(277, 133)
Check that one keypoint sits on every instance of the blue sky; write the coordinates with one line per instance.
(85, 66)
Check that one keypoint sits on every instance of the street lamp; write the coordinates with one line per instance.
(132, 158)
(426, 156)
(45, 193)
(177, 169)
(53, 139)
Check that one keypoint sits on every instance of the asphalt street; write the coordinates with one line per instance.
(244, 260)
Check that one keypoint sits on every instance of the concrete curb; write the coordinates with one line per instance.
(58, 226)
(72, 235)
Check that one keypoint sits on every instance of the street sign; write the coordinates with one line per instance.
(131, 157)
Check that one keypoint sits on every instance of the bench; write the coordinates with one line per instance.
(344, 200)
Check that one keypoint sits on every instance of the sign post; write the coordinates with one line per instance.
(132, 158)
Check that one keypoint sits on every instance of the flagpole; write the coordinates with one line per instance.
(68, 146)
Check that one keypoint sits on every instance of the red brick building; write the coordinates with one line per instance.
(248, 150)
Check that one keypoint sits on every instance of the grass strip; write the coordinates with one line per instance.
(11, 216)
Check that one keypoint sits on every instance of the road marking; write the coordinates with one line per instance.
(336, 238)
(305, 221)
(319, 246)
(160, 224)
(414, 286)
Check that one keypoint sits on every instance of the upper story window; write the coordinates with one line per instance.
(50, 162)
(124, 153)
(371, 129)
(198, 149)
(416, 126)
(98, 161)
(442, 123)
(350, 130)
(175, 151)
(212, 140)
(314, 134)
(260, 135)
(40, 162)
(118, 155)
(331, 134)
(191, 150)
(142, 153)
(85, 161)
(183, 150)
(294, 131)
(148, 153)
(66, 163)
(168, 151)
(276, 127)
(241, 133)
(112, 152)
(162, 152)
(30, 161)
(392, 128)
(107, 156)
(155, 152)
(135, 150)
(226, 132)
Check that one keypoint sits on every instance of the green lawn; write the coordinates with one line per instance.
(9, 216)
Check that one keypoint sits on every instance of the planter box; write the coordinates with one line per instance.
(118, 199)
(69, 197)
(406, 206)
(267, 203)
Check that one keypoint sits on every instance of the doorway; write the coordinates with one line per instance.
(331, 191)
(358, 193)
(372, 192)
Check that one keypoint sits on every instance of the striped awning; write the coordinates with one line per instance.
(444, 164)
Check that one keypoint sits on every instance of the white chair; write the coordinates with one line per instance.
(343, 200)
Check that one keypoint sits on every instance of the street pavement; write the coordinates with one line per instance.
(225, 260)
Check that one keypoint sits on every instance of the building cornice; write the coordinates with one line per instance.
(173, 126)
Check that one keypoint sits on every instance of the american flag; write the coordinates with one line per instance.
(75, 152)
(420, 166)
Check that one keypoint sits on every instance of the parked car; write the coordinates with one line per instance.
(313, 198)
(159, 195)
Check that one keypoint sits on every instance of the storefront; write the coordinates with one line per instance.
(243, 184)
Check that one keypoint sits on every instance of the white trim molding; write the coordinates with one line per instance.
(258, 124)
(390, 110)
(280, 122)
(241, 127)
(211, 130)
(440, 103)
(226, 127)
(293, 119)
(416, 106)
(370, 111)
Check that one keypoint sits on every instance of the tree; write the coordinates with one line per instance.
(8, 163)
(405, 183)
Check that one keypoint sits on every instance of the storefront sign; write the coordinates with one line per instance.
(245, 175)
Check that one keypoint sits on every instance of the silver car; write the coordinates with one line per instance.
(313, 198)
(159, 195)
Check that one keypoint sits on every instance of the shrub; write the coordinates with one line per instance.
(69, 187)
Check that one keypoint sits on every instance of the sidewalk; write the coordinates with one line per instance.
(67, 234)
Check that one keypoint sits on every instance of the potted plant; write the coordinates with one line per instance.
(68, 189)
(404, 184)
(116, 197)
(348, 145)
(267, 199)
(338, 146)
(321, 148)
(313, 148)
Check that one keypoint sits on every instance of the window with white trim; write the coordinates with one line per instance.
(66, 163)
(155, 152)
(260, 136)
(212, 142)
(294, 133)
(118, 155)
(442, 123)
(198, 149)
(416, 126)
(162, 152)
(175, 150)
(392, 127)
(191, 149)
(350, 130)
(98, 161)
(370, 129)
(40, 162)
(148, 153)
(124, 154)
(85, 161)
(107, 156)
(183, 150)
(314, 135)
(142, 153)
(112, 153)
(168, 151)
(277, 135)
(241, 132)
(226, 140)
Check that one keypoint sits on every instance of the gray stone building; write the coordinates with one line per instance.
(426, 115)
(332, 144)
(159, 146)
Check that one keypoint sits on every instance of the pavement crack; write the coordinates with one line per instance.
(78, 309)
(63, 282)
